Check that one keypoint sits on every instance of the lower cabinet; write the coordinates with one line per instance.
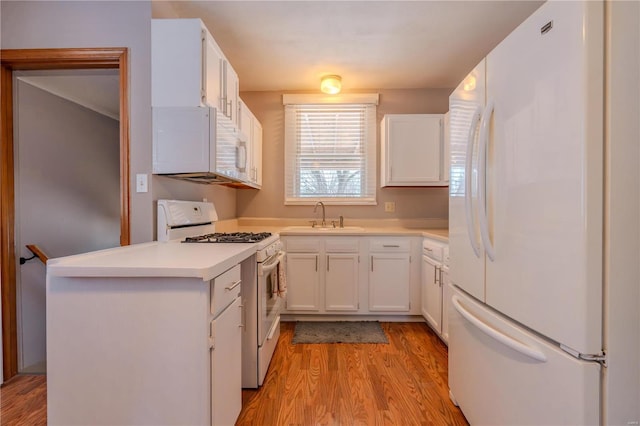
(390, 277)
(225, 341)
(341, 282)
(226, 365)
(157, 350)
(389, 282)
(303, 281)
(435, 275)
(355, 275)
(446, 301)
(432, 293)
(322, 274)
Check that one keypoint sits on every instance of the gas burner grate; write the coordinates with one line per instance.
(229, 237)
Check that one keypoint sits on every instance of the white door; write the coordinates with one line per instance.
(466, 104)
(341, 282)
(226, 366)
(500, 374)
(544, 185)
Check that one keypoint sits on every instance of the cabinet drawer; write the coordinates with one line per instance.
(224, 288)
(433, 249)
(341, 245)
(302, 245)
(390, 245)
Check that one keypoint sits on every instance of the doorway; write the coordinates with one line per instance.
(46, 59)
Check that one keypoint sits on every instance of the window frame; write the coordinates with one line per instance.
(364, 99)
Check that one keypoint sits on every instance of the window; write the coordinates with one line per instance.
(330, 149)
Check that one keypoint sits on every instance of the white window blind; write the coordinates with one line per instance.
(330, 153)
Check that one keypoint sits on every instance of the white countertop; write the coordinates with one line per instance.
(154, 259)
(436, 234)
(433, 229)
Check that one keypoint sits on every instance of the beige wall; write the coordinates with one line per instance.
(410, 202)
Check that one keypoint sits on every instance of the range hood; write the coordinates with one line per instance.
(198, 144)
(202, 178)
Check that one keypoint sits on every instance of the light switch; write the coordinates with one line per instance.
(389, 206)
(141, 182)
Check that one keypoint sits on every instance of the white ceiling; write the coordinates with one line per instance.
(289, 45)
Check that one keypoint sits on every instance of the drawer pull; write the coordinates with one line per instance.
(232, 286)
(391, 246)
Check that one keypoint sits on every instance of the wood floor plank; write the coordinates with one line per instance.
(403, 382)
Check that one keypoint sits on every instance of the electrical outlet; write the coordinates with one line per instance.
(141, 182)
(389, 206)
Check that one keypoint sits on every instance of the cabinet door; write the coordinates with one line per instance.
(341, 282)
(231, 92)
(177, 47)
(431, 294)
(226, 366)
(213, 72)
(256, 148)
(412, 149)
(446, 296)
(389, 282)
(303, 282)
(245, 119)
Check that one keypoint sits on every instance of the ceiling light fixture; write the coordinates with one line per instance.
(331, 84)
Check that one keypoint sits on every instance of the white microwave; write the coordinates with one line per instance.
(197, 143)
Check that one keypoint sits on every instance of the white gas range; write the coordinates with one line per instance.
(262, 295)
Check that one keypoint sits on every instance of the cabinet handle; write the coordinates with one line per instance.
(243, 313)
(435, 279)
(230, 105)
(316, 263)
(391, 246)
(440, 269)
(371, 263)
(232, 286)
(203, 75)
(327, 262)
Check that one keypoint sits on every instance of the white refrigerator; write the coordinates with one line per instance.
(526, 215)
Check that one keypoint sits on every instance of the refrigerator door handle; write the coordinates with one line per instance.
(495, 334)
(471, 218)
(482, 172)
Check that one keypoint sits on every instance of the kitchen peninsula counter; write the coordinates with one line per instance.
(142, 323)
(154, 259)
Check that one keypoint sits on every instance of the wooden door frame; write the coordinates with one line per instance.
(46, 59)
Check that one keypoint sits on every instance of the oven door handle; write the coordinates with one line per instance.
(266, 267)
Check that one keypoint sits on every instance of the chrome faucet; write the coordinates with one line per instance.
(324, 222)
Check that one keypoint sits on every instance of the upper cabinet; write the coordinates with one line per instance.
(185, 64)
(190, 70)
(413, 150)
(252, 129)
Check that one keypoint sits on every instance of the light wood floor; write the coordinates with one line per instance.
(402, 383)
